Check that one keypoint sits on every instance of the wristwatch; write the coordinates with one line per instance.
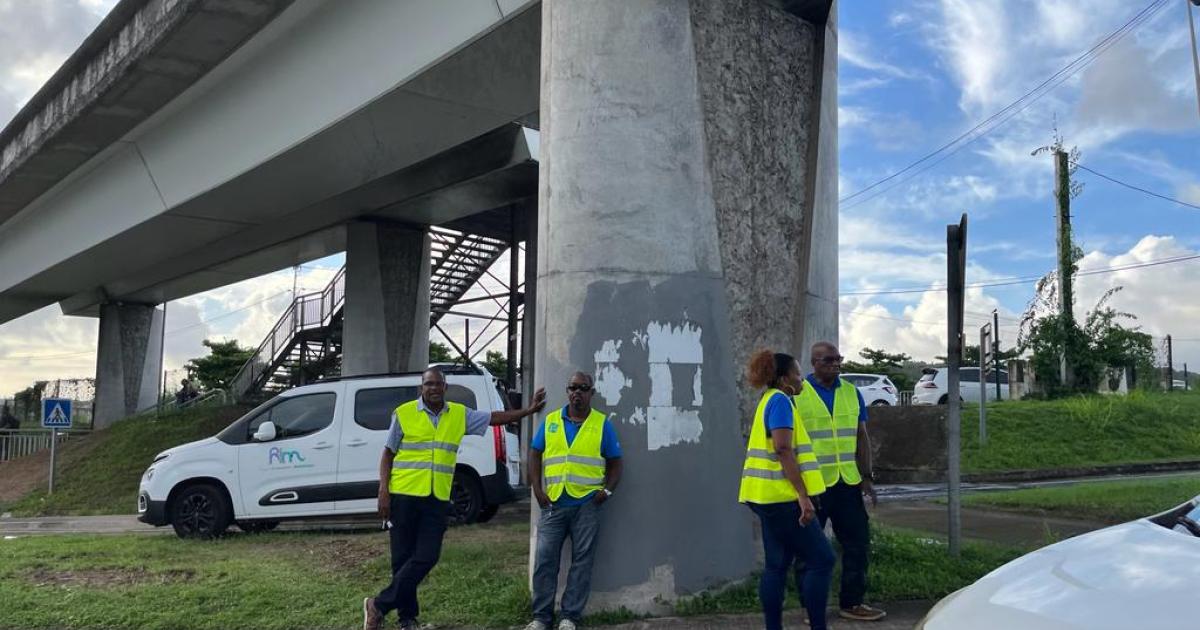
(607, 493)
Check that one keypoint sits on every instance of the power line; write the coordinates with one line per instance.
(1027, 279)
(1011, 110)
(1139, 189)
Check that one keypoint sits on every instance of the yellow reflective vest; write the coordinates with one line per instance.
(424, 464)
(834, 435)
(578, 468)
(763, 480)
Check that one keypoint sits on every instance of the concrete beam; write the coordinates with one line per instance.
(676, 199)
(128, 361)
(386, 326)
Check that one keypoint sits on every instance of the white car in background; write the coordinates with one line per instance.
(933, 389)
(1144, 574)
(877, 390)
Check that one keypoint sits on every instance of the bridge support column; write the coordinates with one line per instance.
(128, 361)
(686, 169)
(386, 326)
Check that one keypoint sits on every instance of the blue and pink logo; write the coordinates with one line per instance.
(283, 456)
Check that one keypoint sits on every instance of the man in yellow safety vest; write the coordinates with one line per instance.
(416, 472)
(836, 420)
(574, 467)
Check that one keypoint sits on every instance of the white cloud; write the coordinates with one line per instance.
(856, 52)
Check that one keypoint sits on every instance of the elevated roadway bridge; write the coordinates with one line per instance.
(670, 163)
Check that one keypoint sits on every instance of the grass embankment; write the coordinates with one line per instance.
(318, 580)
(99, 474)
(1106, 501)
(1083, 431)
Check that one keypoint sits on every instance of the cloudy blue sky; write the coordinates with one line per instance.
(914, 75)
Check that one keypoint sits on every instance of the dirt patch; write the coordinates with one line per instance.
(19, 477)
(106, 578)
(346, 555)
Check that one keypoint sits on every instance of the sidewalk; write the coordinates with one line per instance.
(901, 616)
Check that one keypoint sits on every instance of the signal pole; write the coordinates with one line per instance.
(1062, 196)
(1170, 366)
(996, 349)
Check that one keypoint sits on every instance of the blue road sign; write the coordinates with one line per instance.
(56, 413)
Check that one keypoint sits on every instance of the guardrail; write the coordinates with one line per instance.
(906, 399)
(16, 443)
(313, 310)
(214, 396)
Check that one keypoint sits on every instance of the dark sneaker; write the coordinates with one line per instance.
(862, 612)
(413, 624)
(372, 620)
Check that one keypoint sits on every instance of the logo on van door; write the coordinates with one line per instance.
(283, 456)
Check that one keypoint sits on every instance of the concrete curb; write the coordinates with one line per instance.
(1085, 471)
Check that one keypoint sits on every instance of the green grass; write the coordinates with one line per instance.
(904, 565)
(1106, 501)
(100, 474)
(1083, 431)
(317, 580)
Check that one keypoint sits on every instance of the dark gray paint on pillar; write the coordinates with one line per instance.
(386, 326)
(675, 184)
(128, 361)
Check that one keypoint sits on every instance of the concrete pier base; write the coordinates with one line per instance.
(678, 232)
(128, 361)
(386, 327)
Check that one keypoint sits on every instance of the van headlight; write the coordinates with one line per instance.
(149, 474)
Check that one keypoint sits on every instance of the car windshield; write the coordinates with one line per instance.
(1184, 519)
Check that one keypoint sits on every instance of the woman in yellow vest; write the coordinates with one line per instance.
(779, 481)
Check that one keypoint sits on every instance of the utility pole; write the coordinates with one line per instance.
(1186, 385)
(985, 339)
(1066, 301)
(956, 264)
(1187, 4)
(996, 348)
(1170, 366)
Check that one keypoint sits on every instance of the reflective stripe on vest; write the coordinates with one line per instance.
(763, 479)
(834, 435)
(424, 463)
(576, 468)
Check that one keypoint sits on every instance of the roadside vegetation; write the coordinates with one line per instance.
(240, 580)
(99, 474)
(1106, 501)
(1083, 431)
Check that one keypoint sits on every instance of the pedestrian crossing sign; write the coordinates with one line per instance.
(56, 413)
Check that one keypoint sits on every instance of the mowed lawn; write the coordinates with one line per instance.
(1106, 501)
(1083, 431)
(318, 580)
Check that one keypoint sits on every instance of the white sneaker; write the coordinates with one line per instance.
(536, 625)
(566, 624)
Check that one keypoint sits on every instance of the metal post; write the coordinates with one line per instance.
(1195, 55)
(956, 240)
(996, 350)
(1170, 366)
(983, 341)
(53, 457)
(514, 270)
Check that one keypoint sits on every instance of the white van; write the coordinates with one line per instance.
(313, 452)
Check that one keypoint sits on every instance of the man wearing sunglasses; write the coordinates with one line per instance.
(578, 448)
(416, 472)
(835, 417)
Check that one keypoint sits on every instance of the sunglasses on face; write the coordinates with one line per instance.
(579, 388)
(831, 360)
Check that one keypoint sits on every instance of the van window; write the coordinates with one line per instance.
(861, 381)
(991, 377)
(968, 375)
(297, 416)
(373, 407)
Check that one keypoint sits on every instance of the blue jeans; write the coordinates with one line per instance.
(843, 504)
(784, 540)
(582, 524)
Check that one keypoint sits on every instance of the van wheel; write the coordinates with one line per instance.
(200, 511)
(944, 400)
(881, 403)
(466, 499)
(487, 513)
(257, 527)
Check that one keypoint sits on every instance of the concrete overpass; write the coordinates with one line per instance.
(684, 211)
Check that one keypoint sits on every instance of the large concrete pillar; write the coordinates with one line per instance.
(679, 158)
(386, 317)
(128, 361)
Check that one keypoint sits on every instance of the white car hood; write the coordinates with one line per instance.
(189, 447)
(1135, 575)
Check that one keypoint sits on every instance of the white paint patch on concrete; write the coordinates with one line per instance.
(667, 426)
(661, 388)
(697, 395)
(638, 416)
(610, 380)
(674, 344)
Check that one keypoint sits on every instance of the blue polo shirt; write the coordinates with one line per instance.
(778, 414)
(610, 448)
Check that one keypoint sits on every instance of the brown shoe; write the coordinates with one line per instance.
(372, 620)
(862, 612)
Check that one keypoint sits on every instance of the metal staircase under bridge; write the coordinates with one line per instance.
(305, 345)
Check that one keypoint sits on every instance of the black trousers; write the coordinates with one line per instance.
(842, 504)
(418, 525)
